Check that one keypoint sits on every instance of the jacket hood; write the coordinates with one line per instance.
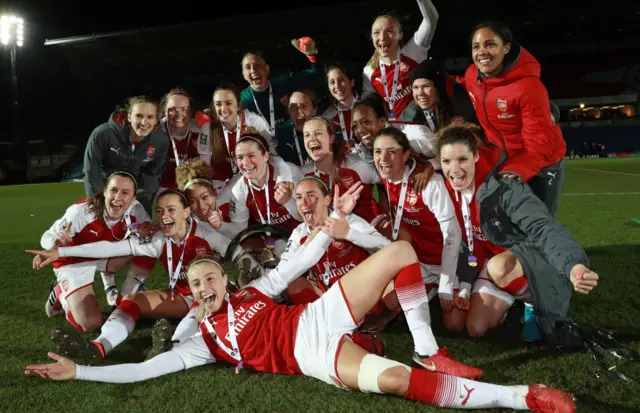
(118, 123)
(490, 159)
(518, 64)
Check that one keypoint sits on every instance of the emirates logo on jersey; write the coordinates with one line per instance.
(502, 103)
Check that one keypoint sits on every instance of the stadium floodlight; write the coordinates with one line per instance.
(11, 30)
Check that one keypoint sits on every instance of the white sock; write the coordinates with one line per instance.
(188, 327)
(419, 322)
(413, 299)
(462, 393)
(109, 280)
(115, 330)
(136, 276)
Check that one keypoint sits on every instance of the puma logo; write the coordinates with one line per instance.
(469, 391)
(94, 232)
(552, 175)
(116, 150)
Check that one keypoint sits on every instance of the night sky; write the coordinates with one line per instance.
(49, 90)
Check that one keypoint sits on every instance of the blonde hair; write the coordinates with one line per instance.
(205, 259)
(374, 61)
(190, 170)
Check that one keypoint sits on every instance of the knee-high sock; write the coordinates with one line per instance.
(137, 274)
(442, 390)
(412, 296)
(108, 280)
(187, 327)
(119, 325)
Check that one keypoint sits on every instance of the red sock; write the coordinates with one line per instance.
(432, 388)
(304, 296)
(410, 288)
(73, 322)
(517, 286)
(130, 308)
(99, 345)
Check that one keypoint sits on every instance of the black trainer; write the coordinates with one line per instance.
(72, 344)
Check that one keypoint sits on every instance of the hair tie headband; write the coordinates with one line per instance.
(245, 137)
(197, 181)
(201, 260)
(315, 178)
(123, 173)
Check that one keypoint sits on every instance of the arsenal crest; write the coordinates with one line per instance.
(348, 181)
(201, 252)
(412, 198)
(285, 100)
(338, 245)
(150, 151)
(457, 120)
(502, 103)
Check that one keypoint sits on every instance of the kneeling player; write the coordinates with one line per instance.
(528, 255)
(109, 216)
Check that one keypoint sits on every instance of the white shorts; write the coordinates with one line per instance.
(72, 277)
(322, 327)
(431, 277)
(485, 285)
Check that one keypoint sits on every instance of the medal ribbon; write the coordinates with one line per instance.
(175, 274)
(266, 195)
(403, 194)
(234, 351)
(383, 78)
(234, 165)
(272, 112)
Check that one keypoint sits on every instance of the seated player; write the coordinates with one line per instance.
(522, 251)
(262, 194)
(354, 240)
(247, 329)
(427, 216)
(180, 240)
(112, 215)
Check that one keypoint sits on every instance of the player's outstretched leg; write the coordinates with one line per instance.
(369, 373)
(363, 287)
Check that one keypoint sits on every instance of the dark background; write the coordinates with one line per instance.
(65, 90)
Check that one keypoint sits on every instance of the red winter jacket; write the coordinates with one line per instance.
(513, 109)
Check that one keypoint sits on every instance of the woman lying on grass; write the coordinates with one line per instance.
(246, 328)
